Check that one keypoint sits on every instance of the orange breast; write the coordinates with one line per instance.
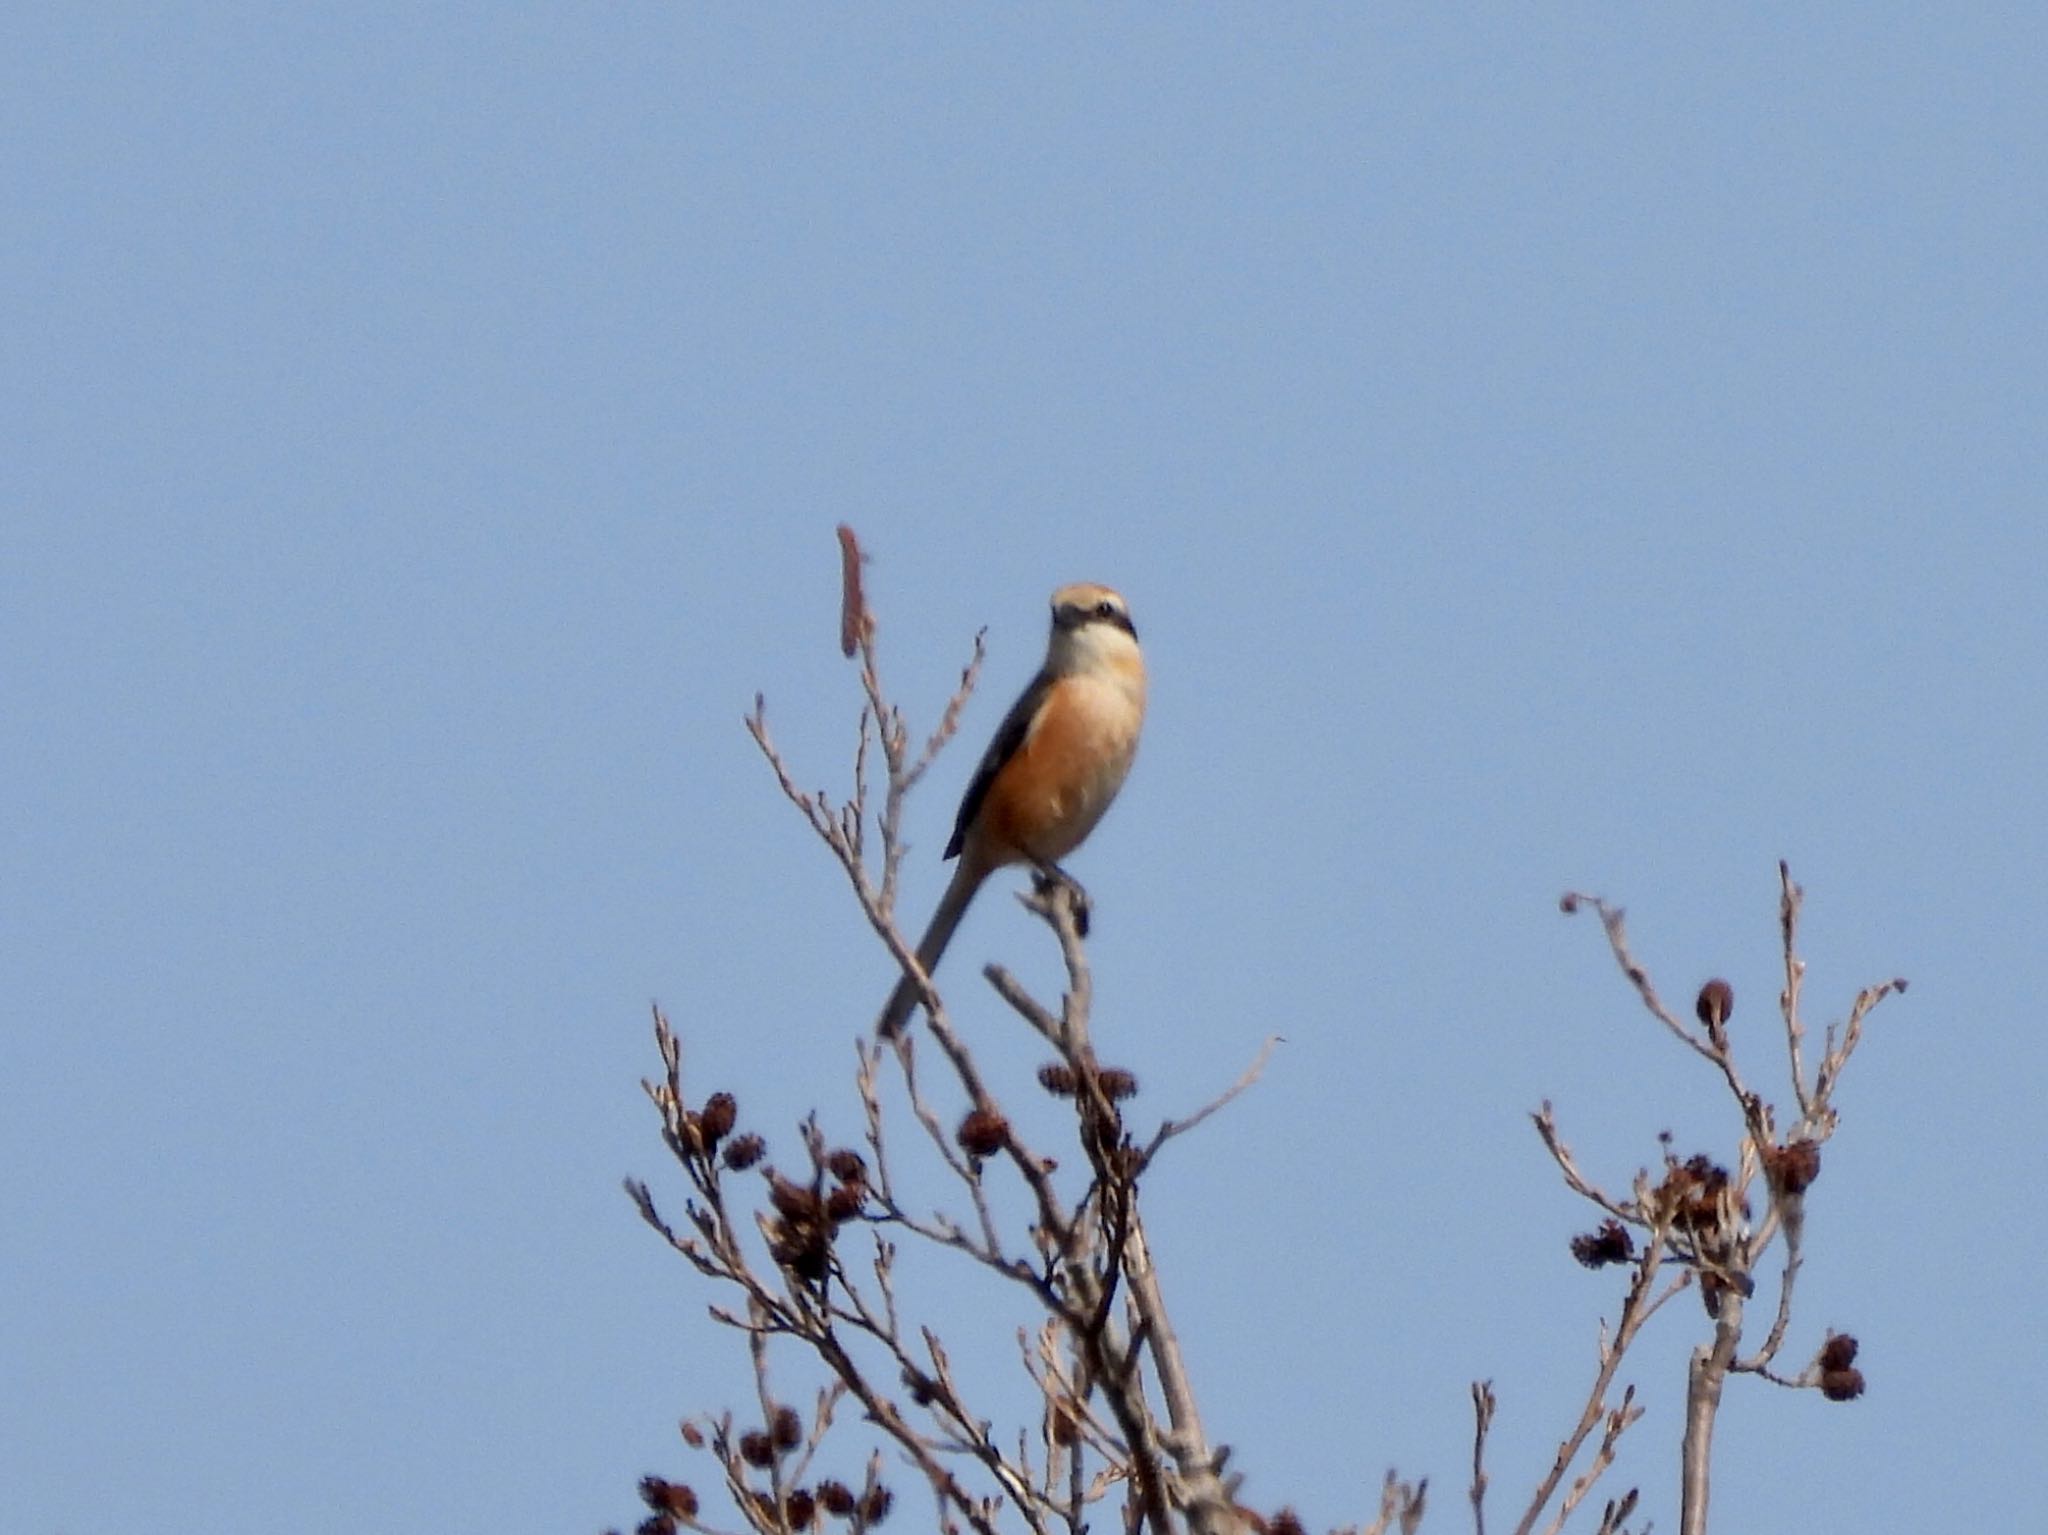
(1046, 799)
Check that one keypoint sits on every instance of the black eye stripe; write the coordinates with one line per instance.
(1072, 615)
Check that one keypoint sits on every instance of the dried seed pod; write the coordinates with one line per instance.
(845, 1202)
(1716, 1004)
(788, 1428)
(1841, 1385)
(794, 1201)
(982, 1133)
(1610, 1244)
(720, 1112)
(1118, 1084)
(1063, 1429)
(1057, 1078)
(666, 1497)
(804, 1248)
(1793, 1166)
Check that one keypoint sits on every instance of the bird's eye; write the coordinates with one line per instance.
(1105, 610)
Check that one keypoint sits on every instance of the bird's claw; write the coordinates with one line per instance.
(1052, 877)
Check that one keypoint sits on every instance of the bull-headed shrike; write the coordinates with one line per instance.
(1056, 762)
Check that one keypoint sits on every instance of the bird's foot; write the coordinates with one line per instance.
(1052, 877)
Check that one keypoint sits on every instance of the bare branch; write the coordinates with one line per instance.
(1705, 1375)
(1483, 1405)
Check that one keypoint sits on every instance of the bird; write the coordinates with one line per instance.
(1058, 759)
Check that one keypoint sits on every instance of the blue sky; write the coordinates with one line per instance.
(1542, 448)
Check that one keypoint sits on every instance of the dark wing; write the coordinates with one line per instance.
(1009, 736)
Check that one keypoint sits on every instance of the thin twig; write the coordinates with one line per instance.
(1618, 1422)
(1250, 1075)
(1545, 1119)
(1789, 897)
(1483, 1405)
(1611, 918)
(1636, 1309)
(1401, 1505)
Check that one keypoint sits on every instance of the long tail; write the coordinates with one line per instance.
(967, 878)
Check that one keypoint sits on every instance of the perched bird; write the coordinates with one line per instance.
(1056, 762)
